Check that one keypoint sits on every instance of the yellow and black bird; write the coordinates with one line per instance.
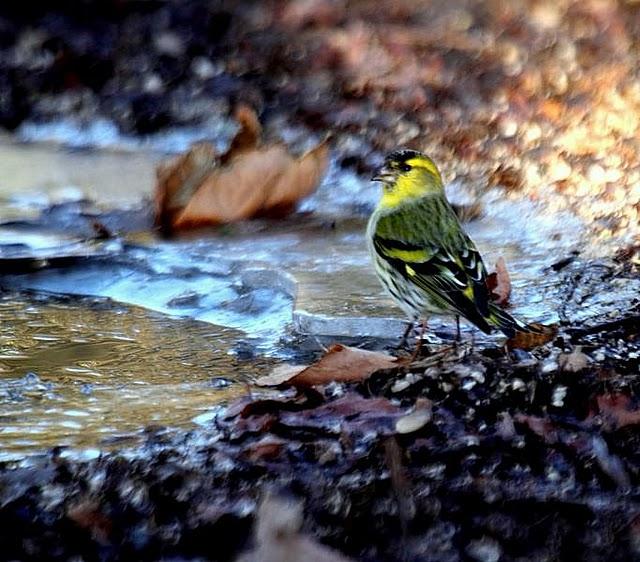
(422, 255)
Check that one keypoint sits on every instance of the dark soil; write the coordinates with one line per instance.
(508, 456)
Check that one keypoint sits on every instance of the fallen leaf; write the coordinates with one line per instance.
(341, 363)
(351, 414)
(531, 340)
(248, 136)
(499, 283)
(298, 180)
(573, 362)
(618, 410)
(280, 375)
(267, 449)
(178, 179)
(506, 176)
(201, 188)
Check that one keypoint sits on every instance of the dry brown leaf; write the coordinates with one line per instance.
(531, 340)
(351, 414)
(340, 363)
(499, 283)
(299, 179)
(200, 188)
(179, 178)
(247, 137)
(236, 191)
(618, 410)
(280, 375)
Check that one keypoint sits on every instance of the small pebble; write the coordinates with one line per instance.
(532, 133)
(169, 43)
(484, 550)
(559, 394)
(220, 382)
(203, 68)
(549, 366)
(417, 419)
(31, 379)
(518, 384)
(574, 361)
(596, 174)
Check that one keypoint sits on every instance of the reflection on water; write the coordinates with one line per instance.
(87, 372)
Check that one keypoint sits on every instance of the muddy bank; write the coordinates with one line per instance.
(469, 454)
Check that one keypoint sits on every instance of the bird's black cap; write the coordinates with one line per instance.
(402, 155)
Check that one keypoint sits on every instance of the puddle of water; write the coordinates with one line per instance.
(82, 373)
(102, 372)
(175, 279)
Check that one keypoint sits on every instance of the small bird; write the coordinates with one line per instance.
(423, 257)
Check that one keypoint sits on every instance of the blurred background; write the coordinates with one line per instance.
(540, 97)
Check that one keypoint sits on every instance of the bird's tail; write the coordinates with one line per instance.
(506, 323)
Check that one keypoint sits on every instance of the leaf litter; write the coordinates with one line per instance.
(385, 464)
(339, 364)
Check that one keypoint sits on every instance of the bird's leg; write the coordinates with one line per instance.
(405, 337)
(416, 351)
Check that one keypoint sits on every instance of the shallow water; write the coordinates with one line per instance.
(182, 313)
(92, 373)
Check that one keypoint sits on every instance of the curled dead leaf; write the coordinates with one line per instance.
(248, 136)
(179, 178)
(341, 363)
(350, 414)
(499, 283)
(618, 410)
(200, 188)
(531, 340)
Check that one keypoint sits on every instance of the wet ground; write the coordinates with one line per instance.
(130, 424)
(92, 374)
(261, 286)
(466, 455)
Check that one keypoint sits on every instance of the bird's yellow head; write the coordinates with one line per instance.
(407, 175)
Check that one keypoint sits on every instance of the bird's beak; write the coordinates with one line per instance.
(384, 174)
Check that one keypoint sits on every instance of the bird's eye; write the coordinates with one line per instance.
(405, 167)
